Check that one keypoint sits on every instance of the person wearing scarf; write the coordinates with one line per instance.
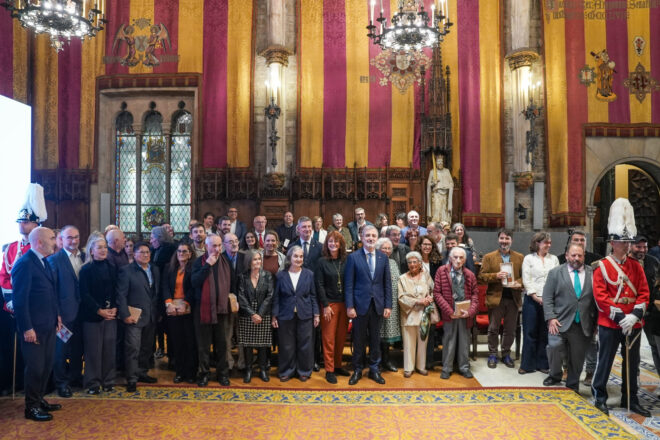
(211, 280)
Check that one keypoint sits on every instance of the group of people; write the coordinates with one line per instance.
(297, 287)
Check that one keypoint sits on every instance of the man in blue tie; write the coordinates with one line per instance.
(570, 311)
(368, 299)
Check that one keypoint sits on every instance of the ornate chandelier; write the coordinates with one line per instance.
(61, 19)
(409, 28)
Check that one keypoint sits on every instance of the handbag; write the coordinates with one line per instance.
(434, 314)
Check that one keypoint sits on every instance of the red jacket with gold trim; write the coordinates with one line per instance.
(607, 287)
(11, 255)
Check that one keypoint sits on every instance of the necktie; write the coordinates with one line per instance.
(305, 249)
(372, 267)
(578, 292)
(261, 240)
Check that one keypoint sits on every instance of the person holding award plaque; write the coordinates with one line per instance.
(457, 297)
(501, 270)
(177, 294)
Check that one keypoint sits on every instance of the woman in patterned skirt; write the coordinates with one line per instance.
(255, 293)
(390, 331)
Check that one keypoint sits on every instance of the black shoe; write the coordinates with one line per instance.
(304, 378)
(131, 387)
(376, 377)
(37, 415)
(389, 366)
(203, 380)
(602, 407)
(147, 379)
(49, 407)
(506, 360)
(342, 372)
(330, 377)
(639, 409)
(445, 375)
(550, 381)
(263, 375)
(467, 374)
(178, 379)
(94, 391)
(223, 380)
(492, 361)
(285, 378)
(64, 392)
(247, 378)
(355, 378)
(109, 388)
(317, 367)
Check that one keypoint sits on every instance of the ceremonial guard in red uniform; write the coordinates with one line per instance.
(622, 294)
(27, 220)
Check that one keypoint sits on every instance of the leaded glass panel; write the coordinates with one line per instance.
(127, 219)
(126, 169)
(180, 170)
(154, 175)
(179, 218)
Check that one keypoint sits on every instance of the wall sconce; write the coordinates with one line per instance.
(273, 111)
(521, 211)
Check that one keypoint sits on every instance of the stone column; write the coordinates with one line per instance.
(277, 60)
(591, 214)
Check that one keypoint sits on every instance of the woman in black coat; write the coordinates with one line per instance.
(98, 313)
(176, 291)
(255, 293)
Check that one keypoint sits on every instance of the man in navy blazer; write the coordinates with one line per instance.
(368, 300)
(66, 264)
(306, 241)
(238, 228)
(37, 319)
(138, 285)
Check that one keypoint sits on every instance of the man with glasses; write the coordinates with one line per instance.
(237, 228)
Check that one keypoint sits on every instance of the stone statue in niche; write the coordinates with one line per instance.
(439, 189)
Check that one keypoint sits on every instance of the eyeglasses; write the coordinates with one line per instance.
(182, 251)
(142, 252)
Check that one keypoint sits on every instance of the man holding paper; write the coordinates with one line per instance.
(457, 296)
(503, 296)
(138, 285)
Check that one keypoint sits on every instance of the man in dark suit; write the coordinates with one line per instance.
(37, 320)
(238, 228)
(368, 300)
(639, 252)
(66, 264)
(286, 232)
(570, 311)
(399, 250)
(580, 237)
(356, 225)
(138, 285)
(312, 249)
(238, 264)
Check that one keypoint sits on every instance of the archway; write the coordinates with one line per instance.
(603, 154)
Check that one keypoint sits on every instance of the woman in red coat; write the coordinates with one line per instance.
(457, 297)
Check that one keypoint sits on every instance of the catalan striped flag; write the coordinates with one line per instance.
(574, 32)
(347, 118)
(210, 37)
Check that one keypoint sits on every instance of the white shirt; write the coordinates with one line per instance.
(535, 271)
(76, 261)
(295, 276)
(232, 229)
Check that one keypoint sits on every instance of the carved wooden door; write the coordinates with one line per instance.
(645, 199)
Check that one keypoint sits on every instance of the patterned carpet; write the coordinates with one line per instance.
(252, 413)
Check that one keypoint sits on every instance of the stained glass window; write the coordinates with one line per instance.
(153, 177)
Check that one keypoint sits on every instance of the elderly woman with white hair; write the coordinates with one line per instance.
(338, 225)
(415, 294)
(454, 283)
(390, 330)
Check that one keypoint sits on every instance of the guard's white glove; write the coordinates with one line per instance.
(627, 323)
(10, 306)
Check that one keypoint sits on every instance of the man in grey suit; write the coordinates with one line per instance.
(570, 311)
(138, 285)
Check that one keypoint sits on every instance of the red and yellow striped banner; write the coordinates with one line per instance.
(574, 32)
(211, 37)
(346, 121)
